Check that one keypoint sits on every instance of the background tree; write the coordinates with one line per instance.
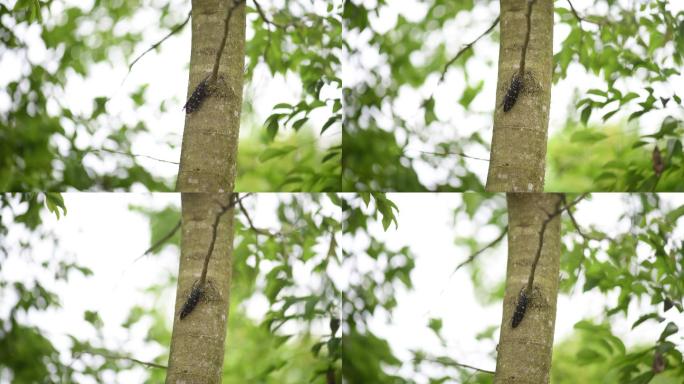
(279, 324)
(69, 122)
(633, 270)
(425, 98)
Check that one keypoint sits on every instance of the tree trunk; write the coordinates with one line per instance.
(209, 152)
(524, 352)
(517, 160)
(197, 342)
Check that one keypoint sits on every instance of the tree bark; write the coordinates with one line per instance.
(517, 160)
(198, 340)
(209, 151)
(524, 352)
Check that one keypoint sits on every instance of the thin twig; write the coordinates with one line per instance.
(579, 18)
(162, 240)
(574, 221)
(258, 231)
(119, 357)
(467, 47)
(452, 362)
(445, 154)
(219, 53)
(173, 31)
(132, 155)
(266, 19)
(476, 254)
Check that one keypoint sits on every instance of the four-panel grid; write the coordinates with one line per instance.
(346, 191)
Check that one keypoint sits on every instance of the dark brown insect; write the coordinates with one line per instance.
(513, 91)
(198, 96)
(520, 308)
(191, 302)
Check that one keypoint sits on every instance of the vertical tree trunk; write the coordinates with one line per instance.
(197, 343)
(209, 151)
(517, 160)
(524, 352)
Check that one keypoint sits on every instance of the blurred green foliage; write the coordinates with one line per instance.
(613, 159)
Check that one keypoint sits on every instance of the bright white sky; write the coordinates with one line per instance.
(426, 226)
(101, 233)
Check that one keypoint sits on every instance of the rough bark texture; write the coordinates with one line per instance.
(517, 160)
(209, 151)
(524, 352)
(197, 343)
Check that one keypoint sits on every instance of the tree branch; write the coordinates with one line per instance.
(476, 254)
(574, 221)
(250, 223)
(455, 154)
(131, 155)
(173, 31)
(266, 19)
(162, 240)
(452, 362)
(579, 18)
(120, 357)
(466, 48)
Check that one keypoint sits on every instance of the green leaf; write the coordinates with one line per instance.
(330, 122)
(54, 202)
(586, 113)
(470, 93)
(670, 329)
(435, 325)
(337, 105)
(298, 124)
(282, 106)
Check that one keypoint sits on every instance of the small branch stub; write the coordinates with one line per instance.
(520, 308)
